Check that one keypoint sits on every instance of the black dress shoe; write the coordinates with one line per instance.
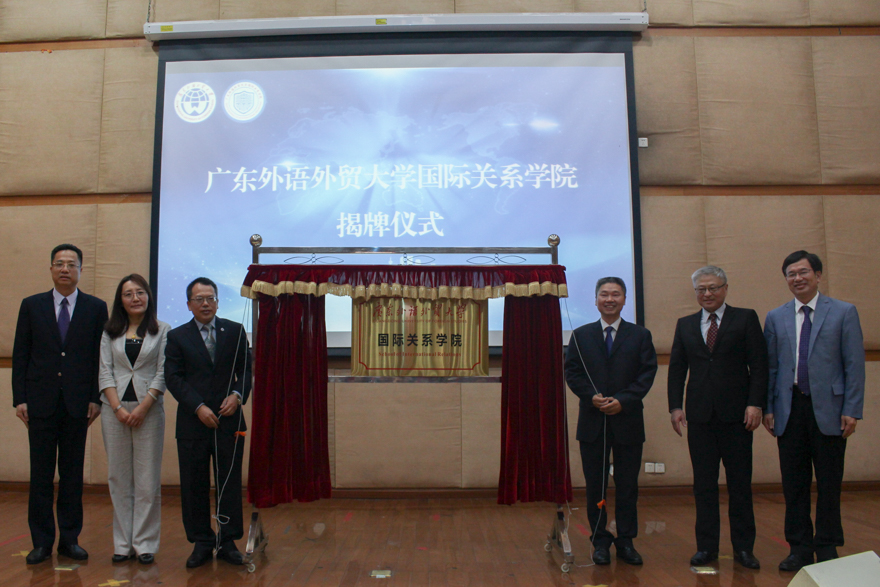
(703, 558)
(121, 558)
(38, 555)
(794, 562)
(629, 555)
(145, 558)
(746, 559)
(74, 551)
(229, 553)
(602, 556)
(199, 557)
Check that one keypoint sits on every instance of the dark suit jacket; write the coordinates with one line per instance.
(193, 379)
(627, 376)
(43, 370)
(725, 381)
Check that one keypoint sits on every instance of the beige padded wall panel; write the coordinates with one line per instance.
(765, 458)
(126, 18)
(276, 8)
(398, 435)
(751, 12)
(95, 470)
(757, 110)
(385, 7)
(673, 247)
(175, 10)
(488, 6)
(750, 236)
(27, 236)
(607, 5)
(862, 456)
(128, 120)
(331, 430)
(667, 112)
(851, 233)
(662, 444)
(123, 246)
(574, 449)
(50, 122)
(481, 433)
(38, 20)
(674, 12)
(15, 464)
(843, 12)
(170, 463)
(848, 103)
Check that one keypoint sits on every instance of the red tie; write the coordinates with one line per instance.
(713, 331)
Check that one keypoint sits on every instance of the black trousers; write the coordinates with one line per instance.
(195, 458)
(58, 438)
(803, 448)
(627, 464)
(729, 443)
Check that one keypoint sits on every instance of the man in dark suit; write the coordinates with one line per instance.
(723, 348)
(610, 365)
(55, 393)
(208, 371)
(816, 395)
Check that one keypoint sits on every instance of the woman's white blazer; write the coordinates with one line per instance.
(148, 371)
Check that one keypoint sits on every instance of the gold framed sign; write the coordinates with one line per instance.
(402, 337)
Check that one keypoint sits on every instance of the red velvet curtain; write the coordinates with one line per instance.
(534, 440)
(431, 276)
(289, 449)
(290, 459)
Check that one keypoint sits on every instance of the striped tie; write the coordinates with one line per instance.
(209, 339)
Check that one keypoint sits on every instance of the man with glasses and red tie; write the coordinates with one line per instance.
(816, 394)
(55, 393)
(723, 349)
(208, 371)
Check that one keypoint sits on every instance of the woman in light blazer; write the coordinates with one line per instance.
(132, 381)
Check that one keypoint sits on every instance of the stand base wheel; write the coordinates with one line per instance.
(548, 547)
(251, 567)
(565, 567)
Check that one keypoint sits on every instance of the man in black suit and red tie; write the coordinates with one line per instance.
(55, 393)
(723, 348)
(208, 371)
(610, 365)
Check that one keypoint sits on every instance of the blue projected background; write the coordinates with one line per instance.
(435, 150)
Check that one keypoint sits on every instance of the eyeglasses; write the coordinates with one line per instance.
(796, 274)
(201, 300)
(70, 266)
(712, 289)
(130, 295)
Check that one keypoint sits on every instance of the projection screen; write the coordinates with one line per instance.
(431, 140)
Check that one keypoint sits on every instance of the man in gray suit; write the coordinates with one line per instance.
(816, 393)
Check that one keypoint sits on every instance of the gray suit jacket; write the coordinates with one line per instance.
(836, 363)
(148, 371)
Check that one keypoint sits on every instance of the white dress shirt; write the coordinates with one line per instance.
(71, 302)
(615, 325)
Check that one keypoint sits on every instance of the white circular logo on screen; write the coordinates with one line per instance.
(244, 101)
(195, 102)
